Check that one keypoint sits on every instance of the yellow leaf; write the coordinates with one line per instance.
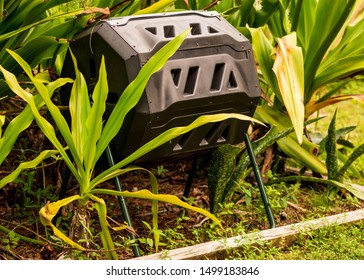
(48, 212)
(288, 68)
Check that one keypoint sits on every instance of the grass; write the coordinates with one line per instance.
(337, 242)
(349, 113)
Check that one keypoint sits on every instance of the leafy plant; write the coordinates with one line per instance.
(89, 137)
(230, 164)
(319, 46)
(335, 176)
(39, 31)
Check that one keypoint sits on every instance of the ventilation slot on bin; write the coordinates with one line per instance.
(183, 141)
(196, 29)
(217, 77)
(212, 30)
(232, 83)
(152, 30)
(218, 133)
(191, 81)
(169, 31)
(176, 76)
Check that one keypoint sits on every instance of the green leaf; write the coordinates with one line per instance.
(94, 119)
(263, 51)
(101, 209)
(358, 152)
(288, 68)
(328, 23)
(44, 125)
(331, 151)
(24, 120)
(79, 107)
(78, 12)
(145, 194)
(302, 154)
(157, 7)
(352, 188)
(27, 165)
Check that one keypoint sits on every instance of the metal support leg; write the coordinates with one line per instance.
(267, 206)
(124, 209)
(191, 176)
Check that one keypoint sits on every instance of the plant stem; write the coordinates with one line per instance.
(23, 238)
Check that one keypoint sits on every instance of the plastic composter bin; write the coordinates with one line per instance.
(212, 72)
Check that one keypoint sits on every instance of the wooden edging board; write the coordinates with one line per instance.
(284, 235)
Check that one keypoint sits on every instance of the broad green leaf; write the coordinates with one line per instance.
(145, 194)
(134, 91)
(263, 51)
(344, 67)
(59, 119)
(267, 10)
(34, 52)
(94, 119)
(27, 165)
(288, 67)
(47, 213)
(349, 44)
(328, 23)
(352, 189)
(79, 108)
(79, 12)
(246, 9)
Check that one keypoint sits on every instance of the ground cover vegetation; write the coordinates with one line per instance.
(305, 67)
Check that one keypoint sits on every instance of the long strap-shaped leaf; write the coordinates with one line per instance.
(45, 126)
(94, 121)
(288, 68)
(50, 18)
(24, 119)
(27, 165)
(328, 23)
(145, 194)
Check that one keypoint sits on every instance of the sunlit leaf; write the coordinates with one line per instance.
(288, 68)
(100, 206)
(27, 165)
(145, 194)
(157, 7)
(47, 213)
